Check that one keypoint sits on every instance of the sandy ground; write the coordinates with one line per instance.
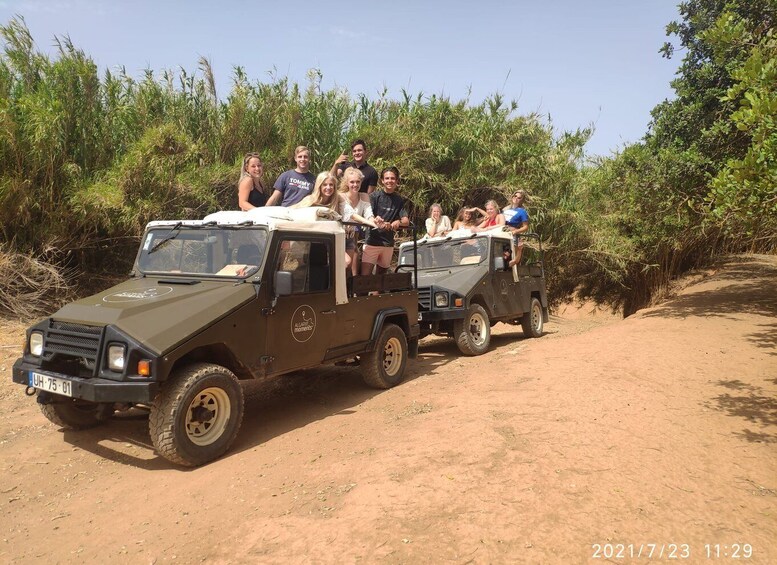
(599, 438)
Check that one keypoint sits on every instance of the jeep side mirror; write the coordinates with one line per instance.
(499, 264)
(282, 283)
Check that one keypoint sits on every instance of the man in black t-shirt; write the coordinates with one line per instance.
(359, 152)
(390, 215)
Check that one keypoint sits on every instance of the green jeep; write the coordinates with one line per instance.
(466, 284)
(238, 295)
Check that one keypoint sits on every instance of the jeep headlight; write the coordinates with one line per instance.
(116, 357)
(36, 343)
(441, 299)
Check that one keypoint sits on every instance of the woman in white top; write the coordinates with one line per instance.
(355, 207)
(437, 225)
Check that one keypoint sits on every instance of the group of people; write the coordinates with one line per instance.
(514, 218)
(357, 199)
(350, 187)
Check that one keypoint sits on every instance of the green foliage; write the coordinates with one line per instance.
(95, 159)
(144, 185)
(744, 192)
(86, 161)
(703, 181)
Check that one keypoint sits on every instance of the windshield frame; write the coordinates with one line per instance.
(157, 238)
(453, 243)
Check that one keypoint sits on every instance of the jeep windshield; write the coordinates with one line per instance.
(202, 251)
(445, 254)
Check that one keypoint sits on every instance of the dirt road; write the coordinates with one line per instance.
(592, 442)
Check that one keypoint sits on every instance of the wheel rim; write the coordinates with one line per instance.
(392, 356)
(478, 329)
(536, 317)
(207, 416)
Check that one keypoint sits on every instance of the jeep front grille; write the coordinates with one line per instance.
(73, 341)
(425, 298)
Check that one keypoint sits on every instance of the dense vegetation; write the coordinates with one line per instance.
(86, 161)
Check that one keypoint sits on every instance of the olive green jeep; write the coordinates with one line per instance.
(466, 285)
(236, 296)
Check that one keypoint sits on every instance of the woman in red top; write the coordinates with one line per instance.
(494, 218)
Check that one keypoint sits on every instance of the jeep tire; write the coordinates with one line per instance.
(531, 321)
(473, 332)
(197, 414)
(71, 413)
(384, 366)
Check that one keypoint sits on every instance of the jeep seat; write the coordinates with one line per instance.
(247, 254)
(319, 268)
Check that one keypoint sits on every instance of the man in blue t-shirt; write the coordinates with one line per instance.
(294, 185)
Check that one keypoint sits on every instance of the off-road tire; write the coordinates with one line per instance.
(531, 321)
(197, 414)
(72, 413)
(473, 333)
(384, 367)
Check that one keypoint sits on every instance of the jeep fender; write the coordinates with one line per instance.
(396, 315)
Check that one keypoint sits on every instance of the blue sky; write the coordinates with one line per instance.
(579, 62)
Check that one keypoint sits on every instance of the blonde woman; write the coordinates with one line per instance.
(437, 225)
(355, 207)
(517, 202)
(250, 188)
(324, 193)
(494, 218)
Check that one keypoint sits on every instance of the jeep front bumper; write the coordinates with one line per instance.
(440, 315)
(92, 389)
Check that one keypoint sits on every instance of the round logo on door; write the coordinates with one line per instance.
(303, 323)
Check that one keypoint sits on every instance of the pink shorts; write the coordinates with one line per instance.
(378, 255)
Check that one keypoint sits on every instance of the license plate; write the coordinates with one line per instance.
(51, 384)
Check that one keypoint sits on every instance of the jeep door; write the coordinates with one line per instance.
(507, 299)
(301, 323)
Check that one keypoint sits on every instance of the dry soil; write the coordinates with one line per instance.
(585, 445)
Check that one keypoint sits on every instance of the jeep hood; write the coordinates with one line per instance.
(458, 279)
(157, 313)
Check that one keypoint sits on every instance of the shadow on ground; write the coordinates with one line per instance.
(272, 408)
(750, 287)
(750, 402)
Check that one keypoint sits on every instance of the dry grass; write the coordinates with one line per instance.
(30, 286)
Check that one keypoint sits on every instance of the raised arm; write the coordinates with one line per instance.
(500, 222)
(335, 170)
(431, 227)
